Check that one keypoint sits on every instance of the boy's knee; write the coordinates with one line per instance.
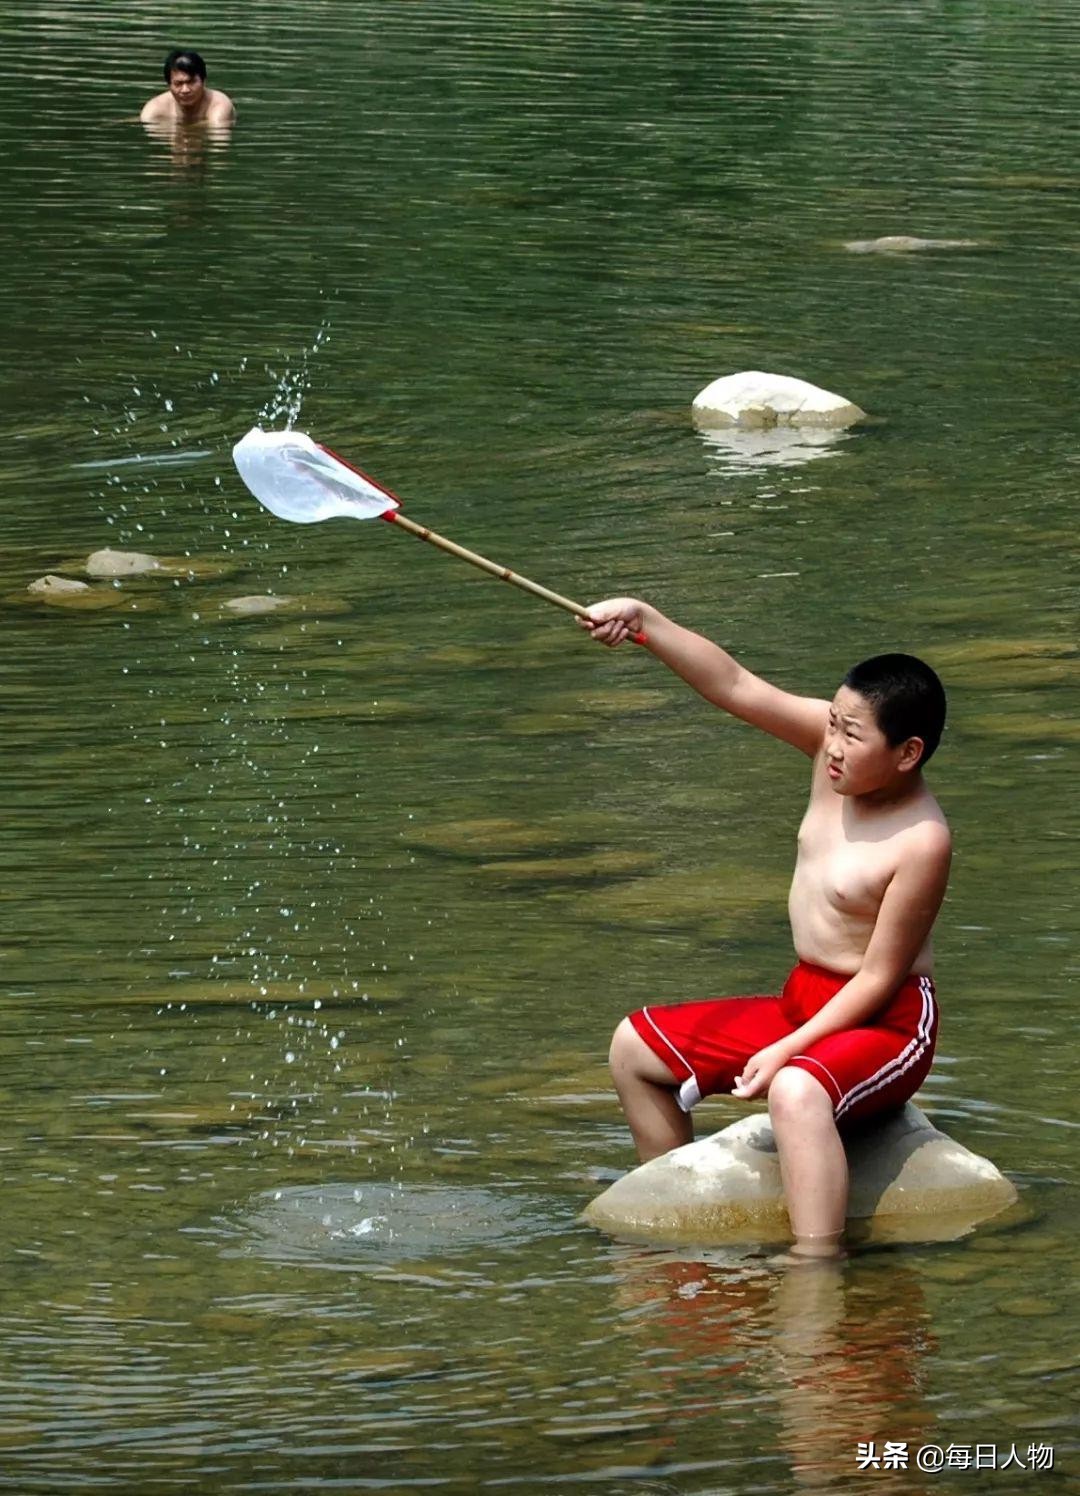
(795, 1096)
(632, 1061)
(624, 1042)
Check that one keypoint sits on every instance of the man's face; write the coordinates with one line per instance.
(186, 88)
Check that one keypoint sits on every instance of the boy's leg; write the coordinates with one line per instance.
(813, 1163)
(646, 1089)
(665, 1059)
(845, 1076)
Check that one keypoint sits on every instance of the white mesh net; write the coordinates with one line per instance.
(298, 480)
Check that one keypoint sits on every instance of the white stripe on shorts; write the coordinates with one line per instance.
(689, 1093)
(910, 1055)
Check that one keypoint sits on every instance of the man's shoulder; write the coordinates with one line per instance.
(219, 105)
(161, 106)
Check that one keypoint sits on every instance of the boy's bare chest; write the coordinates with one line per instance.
(848, 867)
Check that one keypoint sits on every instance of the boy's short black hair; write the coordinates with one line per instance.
(906, 697)
(183, 60)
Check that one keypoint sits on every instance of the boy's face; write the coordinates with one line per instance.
(858, 757)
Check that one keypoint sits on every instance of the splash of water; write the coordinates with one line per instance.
(292, 384)
(338, 1225)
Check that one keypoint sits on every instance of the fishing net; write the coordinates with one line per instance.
(297, 479)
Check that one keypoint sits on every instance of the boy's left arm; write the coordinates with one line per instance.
(904, 921)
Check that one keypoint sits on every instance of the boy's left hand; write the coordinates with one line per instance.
(757, 1073)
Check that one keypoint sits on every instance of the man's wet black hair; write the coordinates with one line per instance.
(906, 697)
(184, 61)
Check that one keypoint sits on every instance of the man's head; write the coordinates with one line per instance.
(182, 60)
(886, 719)
(185, 73)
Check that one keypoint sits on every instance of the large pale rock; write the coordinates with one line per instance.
(110, 563)
(756, 401)
(909, 1182)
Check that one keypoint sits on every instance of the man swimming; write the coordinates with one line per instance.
(187, 100)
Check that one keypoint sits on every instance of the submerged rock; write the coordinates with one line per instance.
(996, 663)
(257, 604)
(53, 587)
(695, 900)
(1026, 181)
(617, 701)
(64, 592)
(486, 838)
(1027, 728)
(590, 867)
(906, 244)
(909, 1182)
(110, 563)
(756, 401)
(547, 725)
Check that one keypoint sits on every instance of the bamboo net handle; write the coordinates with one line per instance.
(491, 567)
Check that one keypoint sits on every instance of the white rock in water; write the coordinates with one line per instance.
(905, 244)
(257, 603)
(909, 1182)
(110, 563)
(54, 586)
(755, 401)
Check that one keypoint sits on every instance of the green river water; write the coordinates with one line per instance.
(314, 926)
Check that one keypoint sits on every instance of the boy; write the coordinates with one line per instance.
(187, 99)
(853, 1032)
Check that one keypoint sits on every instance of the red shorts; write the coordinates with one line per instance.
(865, 1070)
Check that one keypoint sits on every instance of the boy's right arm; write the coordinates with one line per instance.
(712, 672)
